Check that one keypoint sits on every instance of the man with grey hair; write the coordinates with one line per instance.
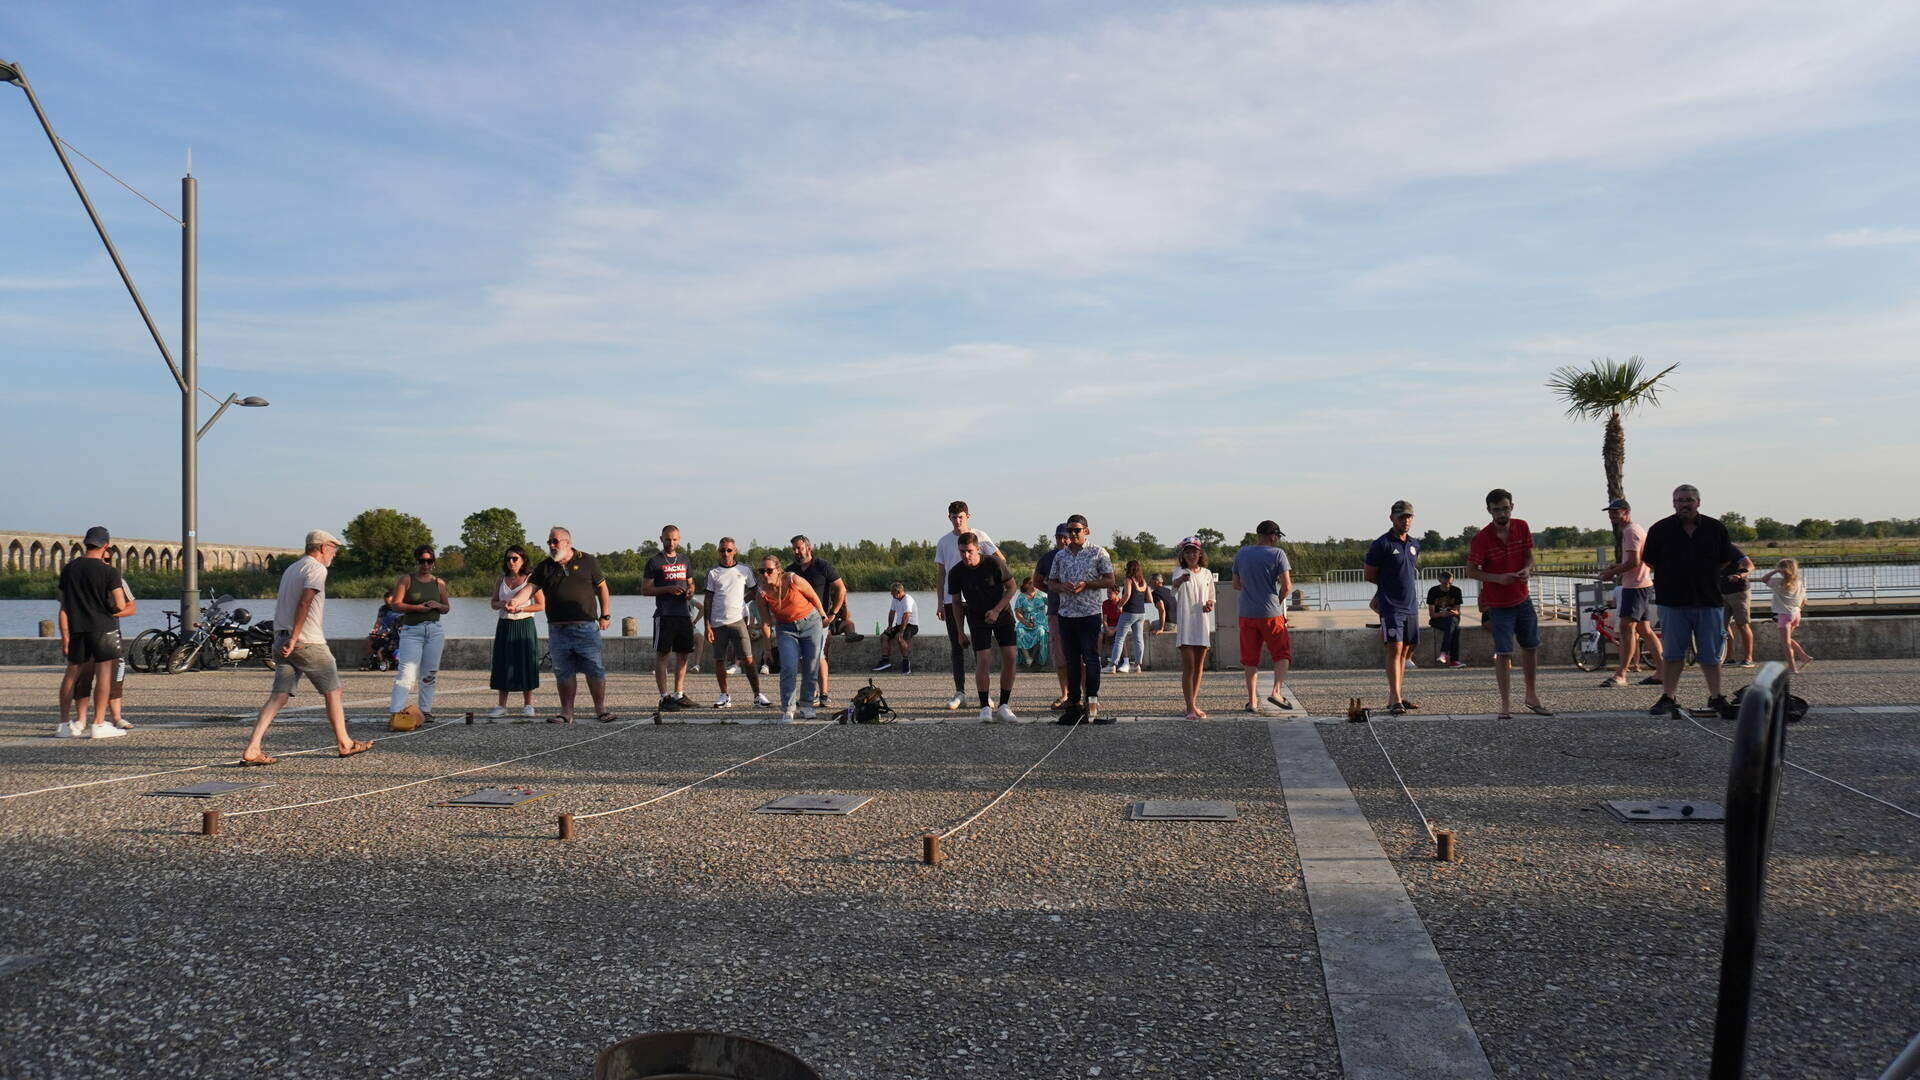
(300, 646)
(578, 610)
(1686, 552)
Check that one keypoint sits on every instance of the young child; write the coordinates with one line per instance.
(1789, 593)
(1195, 592)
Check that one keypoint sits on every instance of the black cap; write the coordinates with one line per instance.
(1619, 504)
(1268, 527)
(1061, 529)
(97, 537)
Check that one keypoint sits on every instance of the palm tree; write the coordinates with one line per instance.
(1606, 389)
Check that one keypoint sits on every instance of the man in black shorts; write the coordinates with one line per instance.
(832, 591)
(669, 580)
(982, 592)
(93, 600)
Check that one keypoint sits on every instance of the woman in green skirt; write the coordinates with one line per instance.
(516, 644)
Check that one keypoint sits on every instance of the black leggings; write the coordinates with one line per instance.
(1449, 627)
(954, 629)
(1080, 652)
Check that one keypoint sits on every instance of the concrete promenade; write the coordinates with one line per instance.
(384, 936)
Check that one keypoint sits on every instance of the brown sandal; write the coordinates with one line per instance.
(250, 762)
(357, 748)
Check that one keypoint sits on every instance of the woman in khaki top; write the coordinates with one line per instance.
(420, 598)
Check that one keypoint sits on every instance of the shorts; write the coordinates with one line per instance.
(1705, 627)
(673, 633)
(1053, 634)
(1739, 607)
(732, 639)
(1401, 626)
(93, 647)
(1636, 605)
(309, 658)
(986, 635)
(1519, 623)
(83, 683)
(1785, 620)
(1270, 632)
(574, 648)
(910, 630)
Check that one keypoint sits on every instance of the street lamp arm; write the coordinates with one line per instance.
(20, 77)
(232, 400)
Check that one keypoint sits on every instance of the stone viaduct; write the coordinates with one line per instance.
(47, 553)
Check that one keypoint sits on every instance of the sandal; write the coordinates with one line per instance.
(1254, 709)
(1539, 710)
(1504, 716)
(360, 747)
(606, 718)
(255, 762)
(1280, 702)
(559, 719)
(1398, 708)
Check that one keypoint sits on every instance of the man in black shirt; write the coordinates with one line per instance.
(1736, 593)
(669, 580)
(1164, 600)
(93, 599)
(831, 590)
(982, 592)
(1686, 552)
(578, 609)
(1443, 614)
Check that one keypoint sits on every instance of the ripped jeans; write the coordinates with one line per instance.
(419, 664)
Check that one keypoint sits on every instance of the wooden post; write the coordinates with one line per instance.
(1444, 849)
(566, 826)
(930, 852)
(210, 823)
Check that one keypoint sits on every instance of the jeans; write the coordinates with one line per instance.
(1703, 625)
(1136, 625)
(954, 629)
(1080, 653)
(799, 644)
(1448, 627)
(418, 659)
(575, 649)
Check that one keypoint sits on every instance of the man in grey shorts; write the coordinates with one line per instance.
(300, 645)
(729, 592)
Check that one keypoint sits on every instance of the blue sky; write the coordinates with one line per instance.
(772, 268)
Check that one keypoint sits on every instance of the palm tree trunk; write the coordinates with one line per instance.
(1613, 455)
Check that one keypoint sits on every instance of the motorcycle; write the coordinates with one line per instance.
(223, 638)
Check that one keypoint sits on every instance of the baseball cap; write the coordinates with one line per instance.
(1062, 529)
(97, 537)
(322, 536)
(1268, 527)
(1191, 542)
(1402, 506)
(1619, 504)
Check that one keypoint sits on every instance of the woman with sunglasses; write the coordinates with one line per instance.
(420, 598)
(516, 644)
(793, 616)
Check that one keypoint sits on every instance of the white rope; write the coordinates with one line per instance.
(209, 765)
(1810, 772)
(689, 787)
(445, 776)
(1016, 782)
(1417, 812)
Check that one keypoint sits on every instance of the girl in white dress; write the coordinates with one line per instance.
(1789, 594)
(1194, 595)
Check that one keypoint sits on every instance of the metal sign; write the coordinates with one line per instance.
(815, 804)
(1182, 810)
(1666, 810)
(209, 789)
(497, 799)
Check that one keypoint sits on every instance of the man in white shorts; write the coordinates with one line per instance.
(903, 625)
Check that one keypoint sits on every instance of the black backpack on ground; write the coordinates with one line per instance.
(869, 706)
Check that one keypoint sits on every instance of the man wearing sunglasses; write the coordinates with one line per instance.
(1081, 574)
(1393, 569)
(578, 609)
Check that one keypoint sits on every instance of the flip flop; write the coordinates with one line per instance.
(1504, 716)
(1280, 703)
(249, 762)
(357, 748)
(1254, 709)
(608, 718)
(559, 719)
(1539, 710)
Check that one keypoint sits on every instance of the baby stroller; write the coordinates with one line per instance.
(383, 641)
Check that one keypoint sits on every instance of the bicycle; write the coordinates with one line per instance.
(1591, 646)
(149, 650)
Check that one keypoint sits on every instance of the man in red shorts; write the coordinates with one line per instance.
(1264, 579)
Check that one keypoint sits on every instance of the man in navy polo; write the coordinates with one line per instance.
(1392, 568)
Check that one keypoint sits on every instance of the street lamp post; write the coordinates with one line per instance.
(186, 374)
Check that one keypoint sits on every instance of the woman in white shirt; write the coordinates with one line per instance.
(1194, 595)
(516, 644)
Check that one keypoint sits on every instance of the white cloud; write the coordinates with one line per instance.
(1873, 238)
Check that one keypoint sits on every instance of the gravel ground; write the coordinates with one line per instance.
(1588, 947)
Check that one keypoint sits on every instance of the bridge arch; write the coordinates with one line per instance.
(16, 556)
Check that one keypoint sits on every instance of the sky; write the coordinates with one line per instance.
(769, 268)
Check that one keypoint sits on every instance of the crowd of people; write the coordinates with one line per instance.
(1074, 613)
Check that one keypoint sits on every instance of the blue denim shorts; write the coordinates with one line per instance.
(1705, 626)
(1636, 605)
(575, 650)
(1517, 623)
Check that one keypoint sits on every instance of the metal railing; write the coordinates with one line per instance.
(1554, 590)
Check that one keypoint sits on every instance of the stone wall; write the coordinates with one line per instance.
(46, 553)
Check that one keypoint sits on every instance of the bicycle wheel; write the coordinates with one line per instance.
(1589, 651)
(138, 658)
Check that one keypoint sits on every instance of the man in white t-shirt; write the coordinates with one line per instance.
(946, 556)
(729, 589)
(300, 647)
(903, 625)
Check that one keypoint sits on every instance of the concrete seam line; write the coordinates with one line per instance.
(1810, 772)
(444, 776)
(1016, 783)
(689, 787)
(208, 765)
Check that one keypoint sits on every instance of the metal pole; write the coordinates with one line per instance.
(189, 402)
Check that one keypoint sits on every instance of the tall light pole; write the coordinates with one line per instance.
(186, 374)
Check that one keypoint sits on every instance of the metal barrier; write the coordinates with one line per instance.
(1753, 793)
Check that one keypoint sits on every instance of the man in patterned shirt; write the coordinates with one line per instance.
(1080, 575)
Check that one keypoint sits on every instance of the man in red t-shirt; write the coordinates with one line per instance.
(1500, 558)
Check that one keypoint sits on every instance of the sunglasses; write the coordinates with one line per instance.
(426, 558)
(767, 571)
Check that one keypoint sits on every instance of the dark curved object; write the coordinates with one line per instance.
(1753, 793)
(698, 1055)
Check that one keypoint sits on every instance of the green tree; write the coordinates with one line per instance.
(1149, 545)
(1813, 529)
(485, 536)
(1737, 527)
(1765, 528)
(382, 541)
(1209, 539)
(1124, 547)
(1880, 530)
(1604, 389)
(1431, 540)
(1850, 528)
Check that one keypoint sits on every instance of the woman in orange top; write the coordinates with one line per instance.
(792, 615)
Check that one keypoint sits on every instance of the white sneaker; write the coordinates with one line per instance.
(807, 713)
(1126, 667)
(785, 717)
(1410, 663)
(1005, 715)
(67, 730)
(1106, 669)
(733, 669)
(764, 671)
(956, 701)
(722, 701)
(761, 701)
(526, 710)
(107, 731)
(986, 714)
(496, 712)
